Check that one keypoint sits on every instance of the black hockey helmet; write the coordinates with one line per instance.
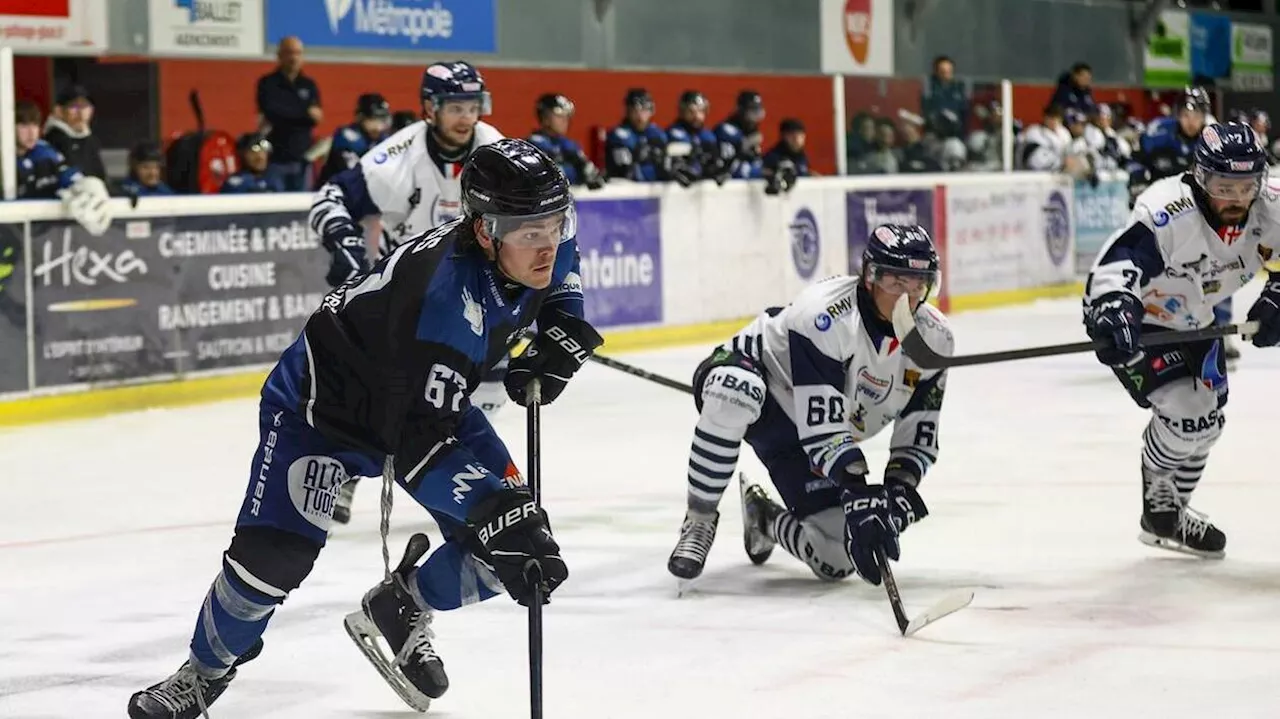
(146, 151)
(252, 141)
(458, 80)
(553, 104)
(900, 258)
(638, 97)
(1194, 98)
(1227, 154)
(511, 182)
(750, 100)
(693, 98)
(373, 106)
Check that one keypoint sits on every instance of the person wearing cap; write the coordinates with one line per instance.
(146, 171)
(254, 176)
(739, 137)
(785, 161)
(289, 103)
(350, 142)
(69, 132)
(554, 112)
(636, 148)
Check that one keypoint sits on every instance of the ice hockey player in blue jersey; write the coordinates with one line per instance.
(739, 137)
(692, 149)
(146, 177)
(45, 174)
(349, 143)
(554, 112)
(805, 385)
(786, 161)
(379, 380)
(636, 148)
(255, 154)
(1192, 240)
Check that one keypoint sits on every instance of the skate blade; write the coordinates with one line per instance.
(1173, 545)
(365, 634)
(949, 604)
(685, 587)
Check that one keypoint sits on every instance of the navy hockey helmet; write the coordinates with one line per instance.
(146, 151)
(1194, 98)
(373, 106)
(638, 97)
(553, 104)
(1230, 163)
(901, 259)
(511, 182)
(751, 106)
(252, 141)
(693, 98)
(446, 81)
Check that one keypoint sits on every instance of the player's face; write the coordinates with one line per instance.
(527, 253)
(695, 115)
(255, 158)
(794, 140)
(1230, 197)
(148, 173)
(456, 120)
(79, 114)
(27, 135)
(640, 116)
(1191, 122)
(557, 122)
(887, 286)
(375, 126)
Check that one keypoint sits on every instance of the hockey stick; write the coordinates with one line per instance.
(643, 374)
(949, 604)
(533, 571)
(904, 326)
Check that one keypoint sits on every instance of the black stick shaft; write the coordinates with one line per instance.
(535, 572)
(643, 374)
(891, 588)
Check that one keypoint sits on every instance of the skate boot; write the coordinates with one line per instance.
(342, 506)
(696, 535)
(389, 611)
(186, 694)
(758, 512)
(1168, 524)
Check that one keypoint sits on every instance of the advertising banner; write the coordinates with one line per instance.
(1100, 211)
(857, 37)
(1251, 63)
(870, 209)
(1005, 236)
(1166, 59)
(621, 246)
(13, 311)
(210, 28)
(170, 295)
(437, 25)
(59, 27)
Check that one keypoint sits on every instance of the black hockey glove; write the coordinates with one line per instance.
(868, 527)
(1266, 311)
(348, 258)
(1116, 319)
(562, 345)
(516, 541)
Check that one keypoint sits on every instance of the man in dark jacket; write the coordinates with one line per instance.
(290, 106)
(1075, 89)
(943, 102)
(69, 132)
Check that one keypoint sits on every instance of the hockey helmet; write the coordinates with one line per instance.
(638, 97)
(459, 80)
(511, 182)
(693, 98)
(553, 104)
(901, 259)
(751, 106)
(373, 106)
(1230, 162)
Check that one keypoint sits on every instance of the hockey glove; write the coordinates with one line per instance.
(1266, 312)
(348, 258)
(868, 526)
(562, 346)
(1116, 319)
(514, 539)
(906, 506)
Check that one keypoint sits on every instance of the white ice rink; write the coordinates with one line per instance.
(111, 531)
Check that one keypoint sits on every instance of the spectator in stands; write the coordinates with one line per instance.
(42, 169)
(1111, 149)
(915, 154)
(289, 103)
(70, 133)
(146, 171)
(740, 139)
(554, 111)
(881, 157)
(1075, 89)
(350, 142)
(1080, 160)
(636, 147)
(984, 146)
(1043, 147)
(860, 141)
(786, 161)
(255, 174)
(943, 101)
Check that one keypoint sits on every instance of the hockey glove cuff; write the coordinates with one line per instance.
(906, 506)
(348, 258)
(1115, 320)
(563, 344)
(1266, 312)
(515, 540)
(868, 528)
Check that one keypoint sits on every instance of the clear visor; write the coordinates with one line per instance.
(1232, 188)
(477, 104)
(899, 280)
(532, 231)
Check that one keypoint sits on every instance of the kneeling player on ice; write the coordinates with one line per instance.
(1192, 241)
(804, 385)
(382, 374)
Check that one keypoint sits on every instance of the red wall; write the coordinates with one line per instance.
(1029, 100)
(227, 95)
(33, 80)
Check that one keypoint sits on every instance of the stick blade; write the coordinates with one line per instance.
(949, 604)
(913, 345)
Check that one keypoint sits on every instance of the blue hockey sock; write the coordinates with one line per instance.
(233, 617)
(451, 578)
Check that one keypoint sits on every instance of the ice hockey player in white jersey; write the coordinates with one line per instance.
(410, 180)
(805, 385)
(1193, 239)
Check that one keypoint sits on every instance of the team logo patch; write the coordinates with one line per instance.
(910, 378)
(876, 389)
(1210, 376)
(314, 484)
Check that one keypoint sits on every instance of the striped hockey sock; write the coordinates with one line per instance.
(713, 456)
(1187, 476)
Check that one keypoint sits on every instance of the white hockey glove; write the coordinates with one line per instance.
(89, 203)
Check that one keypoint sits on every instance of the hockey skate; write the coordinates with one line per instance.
(185, 694)
(758, 511)
(690, 555)
(1168, 524)
(389, 611)
(342, 506)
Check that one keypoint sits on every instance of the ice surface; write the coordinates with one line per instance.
(111, 531)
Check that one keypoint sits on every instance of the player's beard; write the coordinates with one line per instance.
(1233, 214)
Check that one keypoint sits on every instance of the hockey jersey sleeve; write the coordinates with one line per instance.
(566, 281)
(1131, 256)
(913, 448)
(381, 184)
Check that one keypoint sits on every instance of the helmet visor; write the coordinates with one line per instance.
(479, 104)
(531, 231)
(901, 280)
(1242, 188)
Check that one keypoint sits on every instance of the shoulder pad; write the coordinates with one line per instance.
(539, 139)
(727, 129)
(486, 134)
(677, 132)
(621, 132)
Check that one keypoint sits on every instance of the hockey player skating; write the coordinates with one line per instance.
(1193, 240)
(804, 385)
(384, 369)
(410, 180)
